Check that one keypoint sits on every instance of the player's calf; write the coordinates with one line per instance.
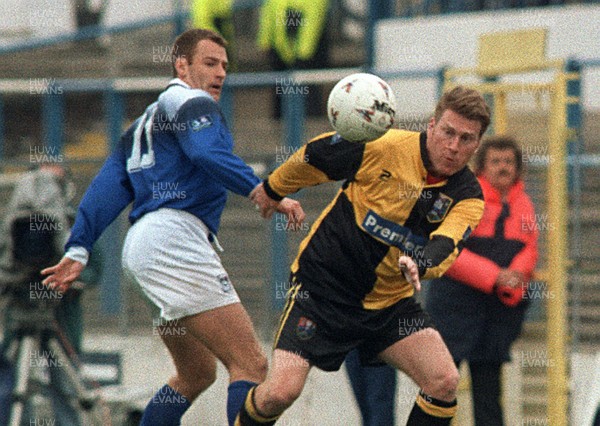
(191, 387)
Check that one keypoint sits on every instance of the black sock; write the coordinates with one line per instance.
(249, 415)
(429, 411)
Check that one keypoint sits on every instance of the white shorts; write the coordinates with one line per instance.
(167, 252)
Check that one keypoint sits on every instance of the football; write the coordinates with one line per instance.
(361, 107)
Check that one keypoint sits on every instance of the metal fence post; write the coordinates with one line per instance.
(110, 282)
(293, 137)
(226, 102)
(575, 149)
(2, 129)
(53, 117)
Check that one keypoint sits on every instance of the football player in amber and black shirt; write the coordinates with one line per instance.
(407, 205)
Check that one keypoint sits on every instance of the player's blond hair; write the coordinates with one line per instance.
(467, 102)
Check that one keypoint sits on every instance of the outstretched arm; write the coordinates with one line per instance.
(208, 143)
(326, 158)
(109, 193)
(107, 196)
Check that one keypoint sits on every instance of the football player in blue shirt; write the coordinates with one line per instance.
(175, 164)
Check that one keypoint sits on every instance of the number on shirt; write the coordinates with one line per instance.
(139, 161)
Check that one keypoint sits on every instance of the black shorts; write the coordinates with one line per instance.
(324, 332)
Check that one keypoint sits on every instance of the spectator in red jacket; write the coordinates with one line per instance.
(479, 304)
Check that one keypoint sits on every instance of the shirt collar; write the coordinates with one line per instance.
(178, 82)
(429, 179)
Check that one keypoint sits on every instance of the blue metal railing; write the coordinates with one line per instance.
(91, 32)
(444, 7)
(177, 19)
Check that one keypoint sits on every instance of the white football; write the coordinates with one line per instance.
(361, 107)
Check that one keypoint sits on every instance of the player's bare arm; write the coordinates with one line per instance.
(63, 274)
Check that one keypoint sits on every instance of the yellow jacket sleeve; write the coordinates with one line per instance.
(204, 12)
(296, 173)
(310, 34)
(308, 16)
(266, 25)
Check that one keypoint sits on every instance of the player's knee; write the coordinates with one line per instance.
(445, 385)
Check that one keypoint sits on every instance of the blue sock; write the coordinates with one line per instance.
(236, 396)
(165, 408)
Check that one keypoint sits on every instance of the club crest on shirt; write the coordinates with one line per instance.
(305, 329)
(440, 208)
(225, 283)
(201, 123)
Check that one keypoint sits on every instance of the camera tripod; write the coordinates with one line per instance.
(41, 362)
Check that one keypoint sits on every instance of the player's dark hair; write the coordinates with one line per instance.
(500, 143)
(467, 102)
(186, 43)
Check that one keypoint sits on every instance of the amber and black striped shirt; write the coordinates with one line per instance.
(384, 207)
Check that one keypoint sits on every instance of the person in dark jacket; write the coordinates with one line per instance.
(479, 304)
